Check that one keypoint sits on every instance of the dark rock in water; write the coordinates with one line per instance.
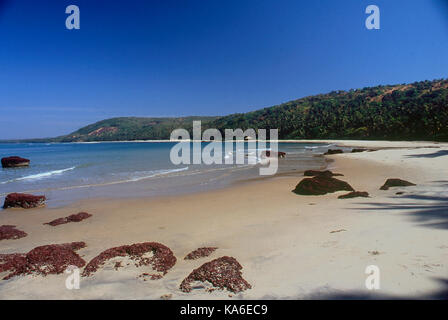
(333, 151)
(221, 273)
(72, 218)
(354, 194)
(10, 232)
(321, 185)
(314, 173)
(23, 200)
(14, 161)
(278, 154)
(399, 193)
(355, 150)
(396, 183)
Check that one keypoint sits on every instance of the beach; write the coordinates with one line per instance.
(290, 246)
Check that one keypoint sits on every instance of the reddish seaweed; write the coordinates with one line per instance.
(162, 260)
(222, 273)
(43, 260)
(23, 200)
(10, 232)
(72, 218)
(200, 253)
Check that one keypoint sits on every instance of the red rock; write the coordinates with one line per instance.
(162, 260)
(221, 273)
(43, 260)
(354, 194)
(10, 232)
(396, 183)
(200, 253)
(15, 161)
(72, 218)
(22, 200)
(321, 185)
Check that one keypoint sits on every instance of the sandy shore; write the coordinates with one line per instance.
(286, 243)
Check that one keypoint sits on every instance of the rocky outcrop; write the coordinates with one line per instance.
(321, 185)
(354, 194)
(200, 253)
(15, 161)
(23, 200)
(396, 183)
(333, 151)
(314, 173)
(355, 150)
(153, 254)
(221, 273)
(10, 232)
(43, 260)
(271, 154)
(72, 218)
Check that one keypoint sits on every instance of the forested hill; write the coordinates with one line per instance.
(417, 111)
(406, 112)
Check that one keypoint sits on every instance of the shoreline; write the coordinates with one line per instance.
(286, 243)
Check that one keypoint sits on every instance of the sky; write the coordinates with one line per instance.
(201, 57)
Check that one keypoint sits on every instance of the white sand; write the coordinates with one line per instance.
(283, 241)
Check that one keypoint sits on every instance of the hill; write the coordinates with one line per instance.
(416, 111)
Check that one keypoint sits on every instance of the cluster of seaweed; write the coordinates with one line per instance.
(43, 260)
(10, 232)
(200, 253)
(222, 273)
(161, 260)
(72, 218)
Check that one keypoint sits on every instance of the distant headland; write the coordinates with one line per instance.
(415, 111)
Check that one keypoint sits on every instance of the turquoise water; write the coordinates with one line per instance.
(70, 171)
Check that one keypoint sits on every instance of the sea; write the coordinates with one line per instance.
(67, 172)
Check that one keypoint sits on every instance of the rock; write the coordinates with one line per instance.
(321, 185)
(23, 200)
(358, 150)
(333, 151)
(43, 260)
(221, 273)
(270, 154)
(72, 218)
(354, 194)
(161, 260)
(396, 183)
(15, 161)
(314, 173)
(200, 253)
(10, 232)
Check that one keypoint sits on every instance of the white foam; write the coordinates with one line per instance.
(39, 176)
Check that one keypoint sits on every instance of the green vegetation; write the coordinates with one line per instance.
(398, 112)
(417, 111)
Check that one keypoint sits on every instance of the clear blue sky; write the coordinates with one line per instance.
(201, 57)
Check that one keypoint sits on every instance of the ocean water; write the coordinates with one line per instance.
(66, 172)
